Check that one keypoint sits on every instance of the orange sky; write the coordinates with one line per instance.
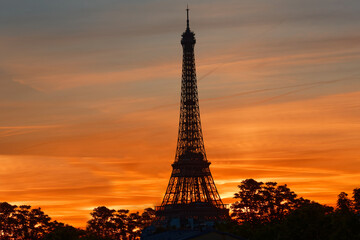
(90, 99)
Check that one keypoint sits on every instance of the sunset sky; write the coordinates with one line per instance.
(90, 95)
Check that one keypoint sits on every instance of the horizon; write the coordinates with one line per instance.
(91, 94)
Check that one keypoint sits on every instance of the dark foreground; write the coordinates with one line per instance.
(262, 211)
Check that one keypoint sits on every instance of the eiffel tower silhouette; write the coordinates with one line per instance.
(191, 192)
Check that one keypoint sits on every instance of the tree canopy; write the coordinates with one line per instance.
(23, 222)
(260, 202)
(274, 212)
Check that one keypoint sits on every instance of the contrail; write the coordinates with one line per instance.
(211, 71)
(279, 88)
(305, 85)
(282, 95)
(266, 29)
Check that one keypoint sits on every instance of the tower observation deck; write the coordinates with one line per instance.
(191, 192)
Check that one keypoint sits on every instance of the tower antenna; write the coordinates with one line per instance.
(187, 19)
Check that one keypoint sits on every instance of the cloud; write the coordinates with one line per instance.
(306, 144)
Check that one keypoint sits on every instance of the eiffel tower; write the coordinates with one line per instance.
(191, 192)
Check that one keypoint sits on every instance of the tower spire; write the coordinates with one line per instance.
(187, 19)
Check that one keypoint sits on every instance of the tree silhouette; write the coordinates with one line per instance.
(356, 197)
(310, 221)
(134, 226)
(260, 203)
(102, 223)
(111, 224)
(147, 217)
(23, 222)
(121, 222)
(62, 231)
(268, 211)
(344, 204)
(7, 221)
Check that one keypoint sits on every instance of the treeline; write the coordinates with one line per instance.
(23, 222)
(26, 223)
(262, 211)
(274, 212)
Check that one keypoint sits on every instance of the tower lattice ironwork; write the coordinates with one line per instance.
(191, 192)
